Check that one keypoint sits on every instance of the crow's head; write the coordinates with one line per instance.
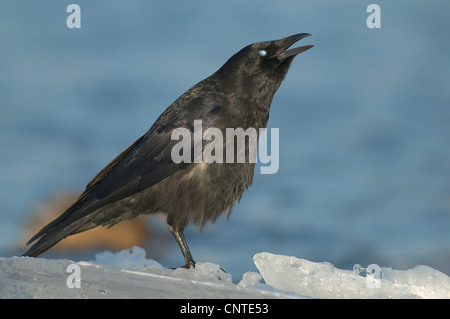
(267, 60)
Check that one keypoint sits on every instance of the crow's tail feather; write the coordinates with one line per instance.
(50, 237)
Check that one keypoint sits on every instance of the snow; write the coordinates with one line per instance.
(129, 274)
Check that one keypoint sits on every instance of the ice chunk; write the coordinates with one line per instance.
(128, 259)
(250, 279)
(323, 280)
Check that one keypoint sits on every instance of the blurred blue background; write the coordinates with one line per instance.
(364, 120)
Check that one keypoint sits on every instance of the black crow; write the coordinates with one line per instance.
(144, 179)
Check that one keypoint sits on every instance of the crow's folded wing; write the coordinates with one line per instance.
(145, 163)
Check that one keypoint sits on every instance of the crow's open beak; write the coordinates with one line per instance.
(284, 44)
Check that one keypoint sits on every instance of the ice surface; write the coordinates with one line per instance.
(133, 259)
(323, 280)
(128, 274)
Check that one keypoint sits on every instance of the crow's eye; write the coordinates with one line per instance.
(262, 53)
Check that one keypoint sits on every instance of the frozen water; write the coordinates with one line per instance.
(323, 280)
(129, 274)
(23, 277)
(250, 279)
(202, 272)
(126, 274)
(132, 259)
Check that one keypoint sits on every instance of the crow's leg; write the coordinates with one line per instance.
(179, 237)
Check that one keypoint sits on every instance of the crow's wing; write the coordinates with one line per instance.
(145, 163)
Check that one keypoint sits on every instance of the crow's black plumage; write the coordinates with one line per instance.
(144, 179)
